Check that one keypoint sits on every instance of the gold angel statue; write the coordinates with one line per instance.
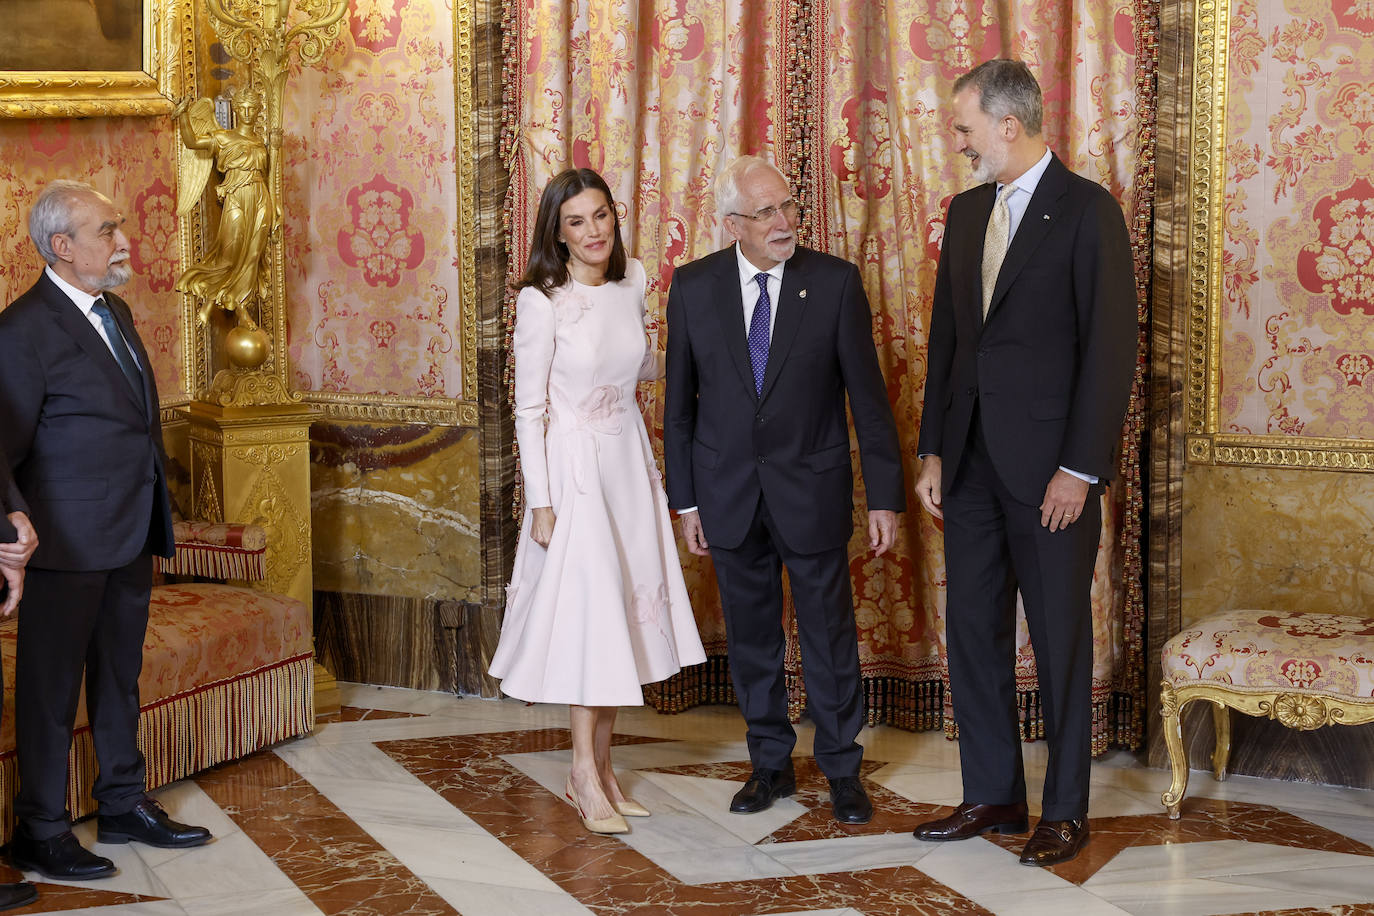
(232, 275)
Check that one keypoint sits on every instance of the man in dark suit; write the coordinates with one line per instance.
(1032, 350)
(79, 422)
(17, 544)
(765, 340)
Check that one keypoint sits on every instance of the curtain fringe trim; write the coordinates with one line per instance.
(902, 701)
(192, 731)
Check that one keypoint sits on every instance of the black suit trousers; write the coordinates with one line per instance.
(750, 581)
(993, 545)
(70, 623)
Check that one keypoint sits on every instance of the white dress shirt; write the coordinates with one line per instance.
(85, 301)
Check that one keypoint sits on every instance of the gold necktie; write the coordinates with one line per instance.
(995, 244)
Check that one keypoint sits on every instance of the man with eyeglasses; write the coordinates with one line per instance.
(766, 339)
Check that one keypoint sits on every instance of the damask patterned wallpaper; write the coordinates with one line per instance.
(1298, 269)
(129, 160)
(371, 204)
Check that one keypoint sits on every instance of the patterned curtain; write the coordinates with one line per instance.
(850, 97)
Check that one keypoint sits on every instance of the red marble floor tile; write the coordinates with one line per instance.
(334, 862)
(607, 876)
(1346, 909)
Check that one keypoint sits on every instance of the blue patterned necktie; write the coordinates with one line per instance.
(758, 333)
(118, 347)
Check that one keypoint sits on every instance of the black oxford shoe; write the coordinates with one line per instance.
(1055, 841)
(849, 802)
(147, 823)
(971, 820)
(62, 857)
(12, 895)
(763, 786)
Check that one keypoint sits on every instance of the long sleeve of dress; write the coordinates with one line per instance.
(533, 345)
(651, 368)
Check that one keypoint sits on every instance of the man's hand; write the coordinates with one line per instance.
(693, 535)
(15, 554)
(882, 530)
(14, 578)
(928, 485)
(541, 525)
(1064, 499)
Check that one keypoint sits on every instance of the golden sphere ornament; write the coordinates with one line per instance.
(246, 348)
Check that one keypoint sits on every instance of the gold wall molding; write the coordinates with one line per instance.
(168, 32)
(371, 408)
(1207, 442)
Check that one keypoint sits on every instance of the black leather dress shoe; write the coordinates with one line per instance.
(61, 857)
(972, 820)
(763, 786)
(17, 894)
(1055, 841)
(147, 823)
(849, 802)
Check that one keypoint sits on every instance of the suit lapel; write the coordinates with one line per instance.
(791, 305)
(1040, 218)
(730, 312)
(71, 320)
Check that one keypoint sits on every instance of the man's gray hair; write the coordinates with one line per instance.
(52, 215)
(727, 182)
(1006, 87)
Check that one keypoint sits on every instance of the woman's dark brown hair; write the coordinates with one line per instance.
(548, 265)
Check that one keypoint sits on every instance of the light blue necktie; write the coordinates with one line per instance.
(119, 348)
(758, 333)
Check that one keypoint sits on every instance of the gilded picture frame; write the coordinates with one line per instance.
(163, 29)
(1207, 441)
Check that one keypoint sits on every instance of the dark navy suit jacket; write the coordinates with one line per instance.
(84, 447)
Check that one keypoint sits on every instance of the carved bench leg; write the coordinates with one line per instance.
(1178, 756)
(1221, 754)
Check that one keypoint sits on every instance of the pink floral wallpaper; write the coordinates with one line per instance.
(130, 160)
(1298, 260)
(372, 207)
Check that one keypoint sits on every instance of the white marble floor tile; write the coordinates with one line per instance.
(231, 865)
(1200, 897)
(1217, 858)
(1055, 901)
(978, 868)
(352, 760)
(1107, 801)
(410, 803)
(710, 866)
(1348, 884)
(921, 784)
(281, 902)
(710, 798)
(478, 858)
(368, 730)
(473, 899)
(1288, 795)
(147, 908)
(1356, 826)
(847, 854)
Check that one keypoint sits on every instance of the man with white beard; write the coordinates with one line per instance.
(79, 422)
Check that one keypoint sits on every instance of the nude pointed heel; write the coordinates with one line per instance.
(607, 825)
(631, 808)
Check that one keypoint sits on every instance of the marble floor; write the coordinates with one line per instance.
(426, 803)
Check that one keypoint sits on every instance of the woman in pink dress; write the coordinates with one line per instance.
(597, 606)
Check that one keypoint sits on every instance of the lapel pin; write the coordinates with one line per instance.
(1045, 217)
(801, 295)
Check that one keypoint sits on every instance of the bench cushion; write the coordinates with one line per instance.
(1269, 651)
(198, 635)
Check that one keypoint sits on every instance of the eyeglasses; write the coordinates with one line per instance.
(787, 208)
